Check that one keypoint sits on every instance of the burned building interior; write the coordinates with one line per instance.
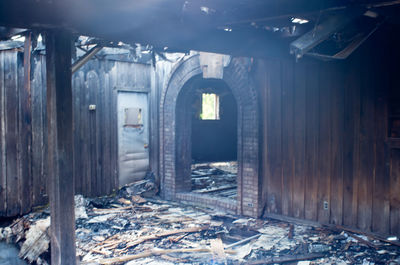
(199, 132)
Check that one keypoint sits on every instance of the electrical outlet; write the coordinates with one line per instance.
(326, 205)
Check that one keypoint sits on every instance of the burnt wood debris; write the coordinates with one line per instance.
(199, 132)
(130, 228)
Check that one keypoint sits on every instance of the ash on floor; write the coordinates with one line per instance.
(216, 179)
(129, 229)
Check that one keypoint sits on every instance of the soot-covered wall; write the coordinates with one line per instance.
(214, 140)
(23, 127)
(328, 154)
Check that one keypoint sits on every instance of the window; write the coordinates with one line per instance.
(210, 107)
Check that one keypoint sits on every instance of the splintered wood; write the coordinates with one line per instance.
(216, 179)
(218, 250)
(163, 234)
(159, 225)
(135, 231)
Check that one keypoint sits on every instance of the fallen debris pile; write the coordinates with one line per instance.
(216, 179)
(130, 229)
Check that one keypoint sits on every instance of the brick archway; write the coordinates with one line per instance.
(174, 182)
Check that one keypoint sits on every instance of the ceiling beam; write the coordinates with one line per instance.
(178, 24)
(321, 32)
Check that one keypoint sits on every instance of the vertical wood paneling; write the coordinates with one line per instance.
(312, 129)
(95, 157)
(37, 132)
(44, 132)
(23, 131)
(299, 140)
(101, 140)
(394, 192)
(92, 86)
(11, 115)
(356, 157)
(344, 157)
(94, 83)
(350, 145)
(367, 150)
(325, 135)
(86, 172)
(337, 123)
(3, 165)
(106, 155)
(25, 127)
(114, 124)
(154, 146)
(78, 166)
(274, 132)
(287, 137)
(381, 203)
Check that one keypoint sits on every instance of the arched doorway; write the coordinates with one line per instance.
(175, 134)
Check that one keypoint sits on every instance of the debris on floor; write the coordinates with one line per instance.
(131, 229)
(217, 179)
(37, 240)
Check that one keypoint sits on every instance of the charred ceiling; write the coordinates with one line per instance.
(250, 28)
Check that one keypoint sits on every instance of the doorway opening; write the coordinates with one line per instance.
(180, 102)
(214, 140)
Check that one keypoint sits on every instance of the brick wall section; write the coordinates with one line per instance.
(207, 201)
(175, 180)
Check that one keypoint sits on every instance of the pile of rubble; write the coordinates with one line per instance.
(130, 229)
(215, 179)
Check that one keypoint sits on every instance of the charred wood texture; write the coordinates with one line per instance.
(60, 147)
(328, 154)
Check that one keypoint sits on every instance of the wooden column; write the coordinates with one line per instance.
(59, 122)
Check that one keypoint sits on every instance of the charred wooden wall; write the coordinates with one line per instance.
(23, 164)
(11, 131)
(327, 156)
(23, 178)
(95, 131)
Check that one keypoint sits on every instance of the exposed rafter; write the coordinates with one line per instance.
(177, 24)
